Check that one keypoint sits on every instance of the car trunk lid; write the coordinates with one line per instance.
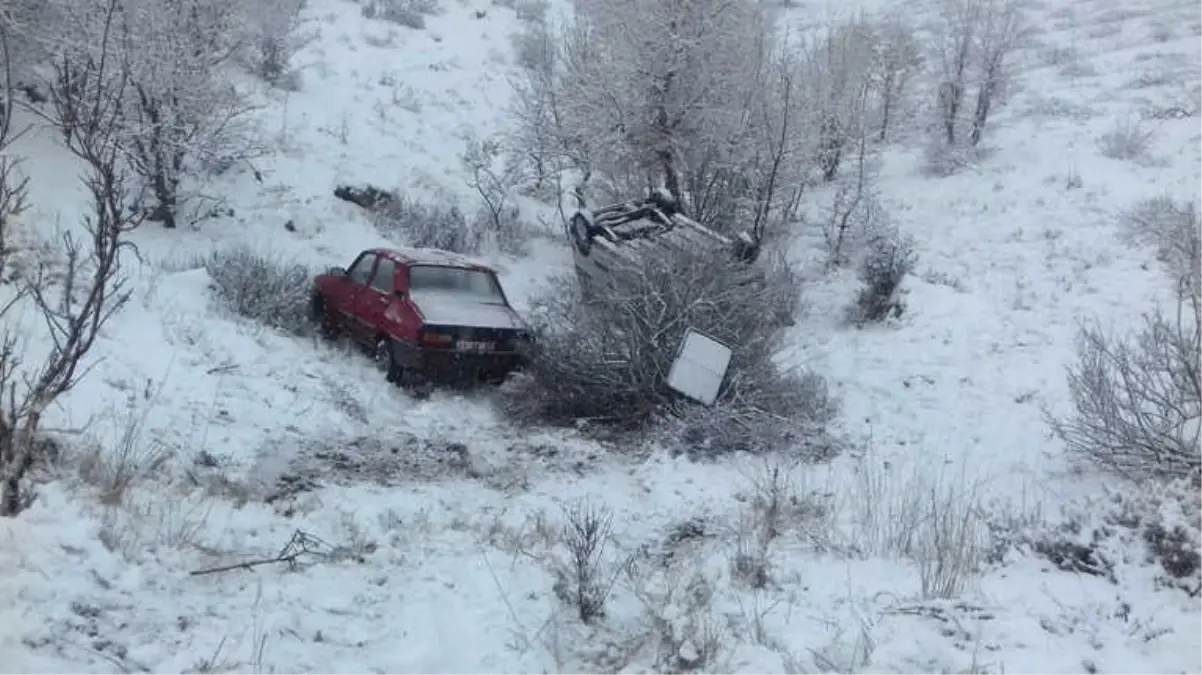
(466, 323)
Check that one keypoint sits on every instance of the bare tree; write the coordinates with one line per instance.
(1002, 30)
(659, 94)
(956, 33)
(897, 58)
(541, 144)
(178, 113)
(501, 217)
(839, 74)
(77, 306)
(13, 188)
(183, 111)
(780, 141)
(855, 212)
(23, 22)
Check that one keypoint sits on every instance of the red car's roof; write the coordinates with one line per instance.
(431, 256)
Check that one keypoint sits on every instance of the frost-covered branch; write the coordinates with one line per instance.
(76, 303)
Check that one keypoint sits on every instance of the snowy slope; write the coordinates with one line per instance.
(436, 543)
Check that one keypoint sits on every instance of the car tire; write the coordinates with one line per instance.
(319, 313)
(582, 233)
(386, 362)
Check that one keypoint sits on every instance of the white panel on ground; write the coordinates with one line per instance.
(699, 368)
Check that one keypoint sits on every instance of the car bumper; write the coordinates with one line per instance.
(440, 364)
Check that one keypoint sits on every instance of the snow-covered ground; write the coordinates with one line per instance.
(435, 523)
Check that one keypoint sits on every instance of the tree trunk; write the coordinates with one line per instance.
(981, 115)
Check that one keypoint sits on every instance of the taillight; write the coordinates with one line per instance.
(437, 340)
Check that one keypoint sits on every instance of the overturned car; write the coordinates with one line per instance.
(613, 241)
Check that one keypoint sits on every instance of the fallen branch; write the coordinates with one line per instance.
(300, 544)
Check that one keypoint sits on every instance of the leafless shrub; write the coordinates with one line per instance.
(408, 13)
(952, 548)
(426, 224)
(273, 38)
(682, 624)
(1161, 33)
(778, 506)
(1058, 108)
(855, 210)
(921, 515)
(766, 410)
(1171, 228)
(1095, 535)
(74, 310)
(589, 579)
(261, 287)
(115, 466)
(889, 260)
(1056, 55)
(531, 10)
(1126, 140)
(497, 217)
(604, 361)
(1137, 397)
(941, 160)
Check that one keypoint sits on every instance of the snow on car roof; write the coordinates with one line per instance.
(432, 256)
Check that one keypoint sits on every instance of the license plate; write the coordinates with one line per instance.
(475, 346)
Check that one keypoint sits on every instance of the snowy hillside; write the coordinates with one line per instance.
(404, 534)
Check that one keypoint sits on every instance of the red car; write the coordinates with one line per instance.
(424, 313)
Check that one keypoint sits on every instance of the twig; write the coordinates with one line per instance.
(299, 545)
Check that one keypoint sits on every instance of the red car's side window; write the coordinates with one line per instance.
(360, 270)
(384, 279)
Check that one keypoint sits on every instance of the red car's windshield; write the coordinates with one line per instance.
(478, 285)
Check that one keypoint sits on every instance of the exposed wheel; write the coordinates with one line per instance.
(320, 315)
(582, 234)
(386, 361)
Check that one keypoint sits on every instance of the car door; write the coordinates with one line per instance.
(372, 305)
(346, 301)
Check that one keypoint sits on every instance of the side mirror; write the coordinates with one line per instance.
(336, 271)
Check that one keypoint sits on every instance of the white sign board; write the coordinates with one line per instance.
(700, 367)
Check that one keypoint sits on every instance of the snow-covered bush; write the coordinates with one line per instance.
(889, 259)
(1127, 139)
(1160, 522)
(261, 287)
(428, 224)
(1137, 397)
(531, 10)
(272, 37)
(854, 214)
(604, 361)
(408, 13)
(1171, 229)
(586, 578)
